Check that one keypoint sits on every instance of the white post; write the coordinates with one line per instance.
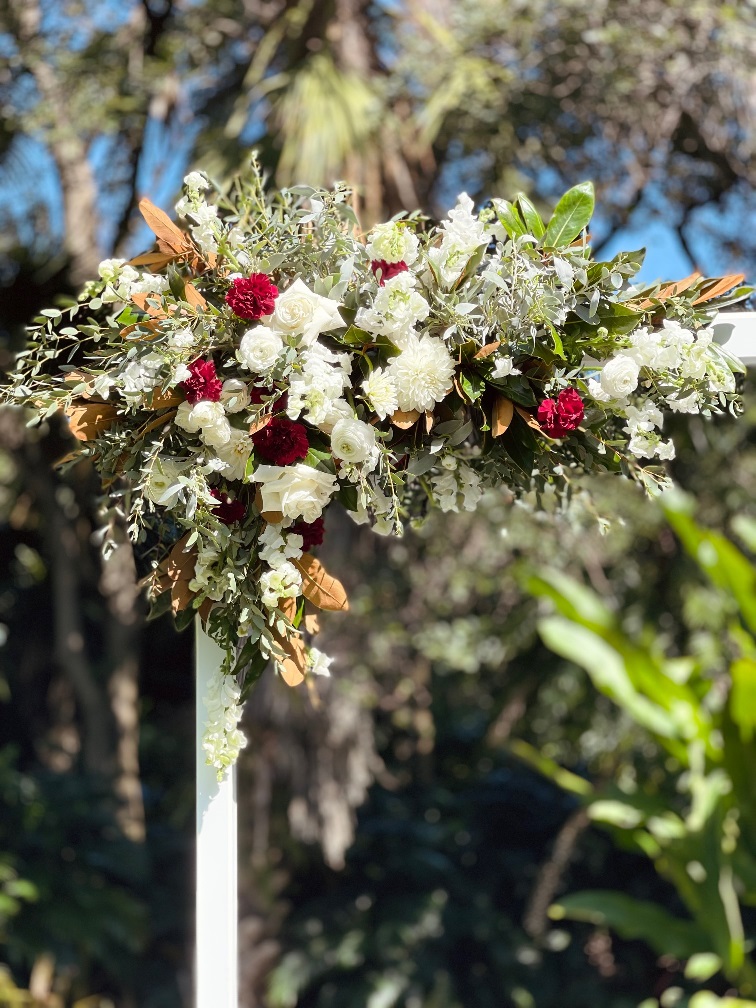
(736, 333)
(217, 946)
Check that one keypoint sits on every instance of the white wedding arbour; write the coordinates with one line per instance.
(216, 962)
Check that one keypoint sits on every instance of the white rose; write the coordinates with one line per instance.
(338, 411)
(301, 312)
(185, 418)
(234, 395)
(296, 491)
(352, 441)
(619, 376)
(393, 242)
(259, 349)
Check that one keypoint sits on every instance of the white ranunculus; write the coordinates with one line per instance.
(234, 395)
(352, 441)
(619, 376)
(422, 373)
(393, 242)
(296, 491)
(259, 349)
(380, 391)
(300, 312)
(234, 454)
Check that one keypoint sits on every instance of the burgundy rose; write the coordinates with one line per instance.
(562, 415)
(282, 441)
(229, 511)
(312, 533)
(203, 384)
(388, 270)
(252, 297)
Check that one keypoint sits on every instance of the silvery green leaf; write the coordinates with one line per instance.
(421, 464)
(464, 432)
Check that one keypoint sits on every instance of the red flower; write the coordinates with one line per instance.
(252, 297)
(388, 270)
(256, 398)
(204, 383)
(229, 511)
(312, 533)
(562, 415)
(282, 442)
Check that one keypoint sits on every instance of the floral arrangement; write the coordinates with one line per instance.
(268, 359)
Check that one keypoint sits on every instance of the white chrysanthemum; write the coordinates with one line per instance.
(380, 391)
(393, 242)
(259, 349)
(422, 373)
(352, 441)
(283, 581)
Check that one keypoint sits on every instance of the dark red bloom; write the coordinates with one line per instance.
(561, 415)
(256, 398)
(388, 270)
(252, 297)
(229, 511)
(312, 533)
(282, 441)
(203, 384)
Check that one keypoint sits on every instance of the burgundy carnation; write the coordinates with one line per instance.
(388, 270)
(561, 415)
(282, 441)
(252, 297)
(229, 511)
(203, 384)
(312, 533)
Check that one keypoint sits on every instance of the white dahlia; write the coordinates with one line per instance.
(380, 391)
(422, 373)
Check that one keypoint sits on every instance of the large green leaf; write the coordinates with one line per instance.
(631, 919)
(531, 216)
(571, 215)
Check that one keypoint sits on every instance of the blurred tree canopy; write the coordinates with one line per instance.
(460, 750)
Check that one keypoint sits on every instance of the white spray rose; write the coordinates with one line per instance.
(619, 376)
(259, 349)
(393, 242)
(296, 491)
(234, 395)
(300, 312)
(352, 441)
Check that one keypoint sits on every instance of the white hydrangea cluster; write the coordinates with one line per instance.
(223, 740)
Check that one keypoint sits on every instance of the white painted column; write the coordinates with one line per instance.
(736, 333)
(217, 946)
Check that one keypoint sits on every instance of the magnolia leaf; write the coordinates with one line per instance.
(571, 216)
(319, 587)
(193, 297)
(312, 623)
(429, 421)
(165, 398)
(529, 419)
(76, 378)
(501, 416)
(487, 350)
(156, 260)
(156, 422)
(163, 227)
(530, 215)
(89, 419)
(140, 299)
(260, 424)
(175, 573)
(405, 420)
(720, 286)
(293, 666)
(271, 517)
